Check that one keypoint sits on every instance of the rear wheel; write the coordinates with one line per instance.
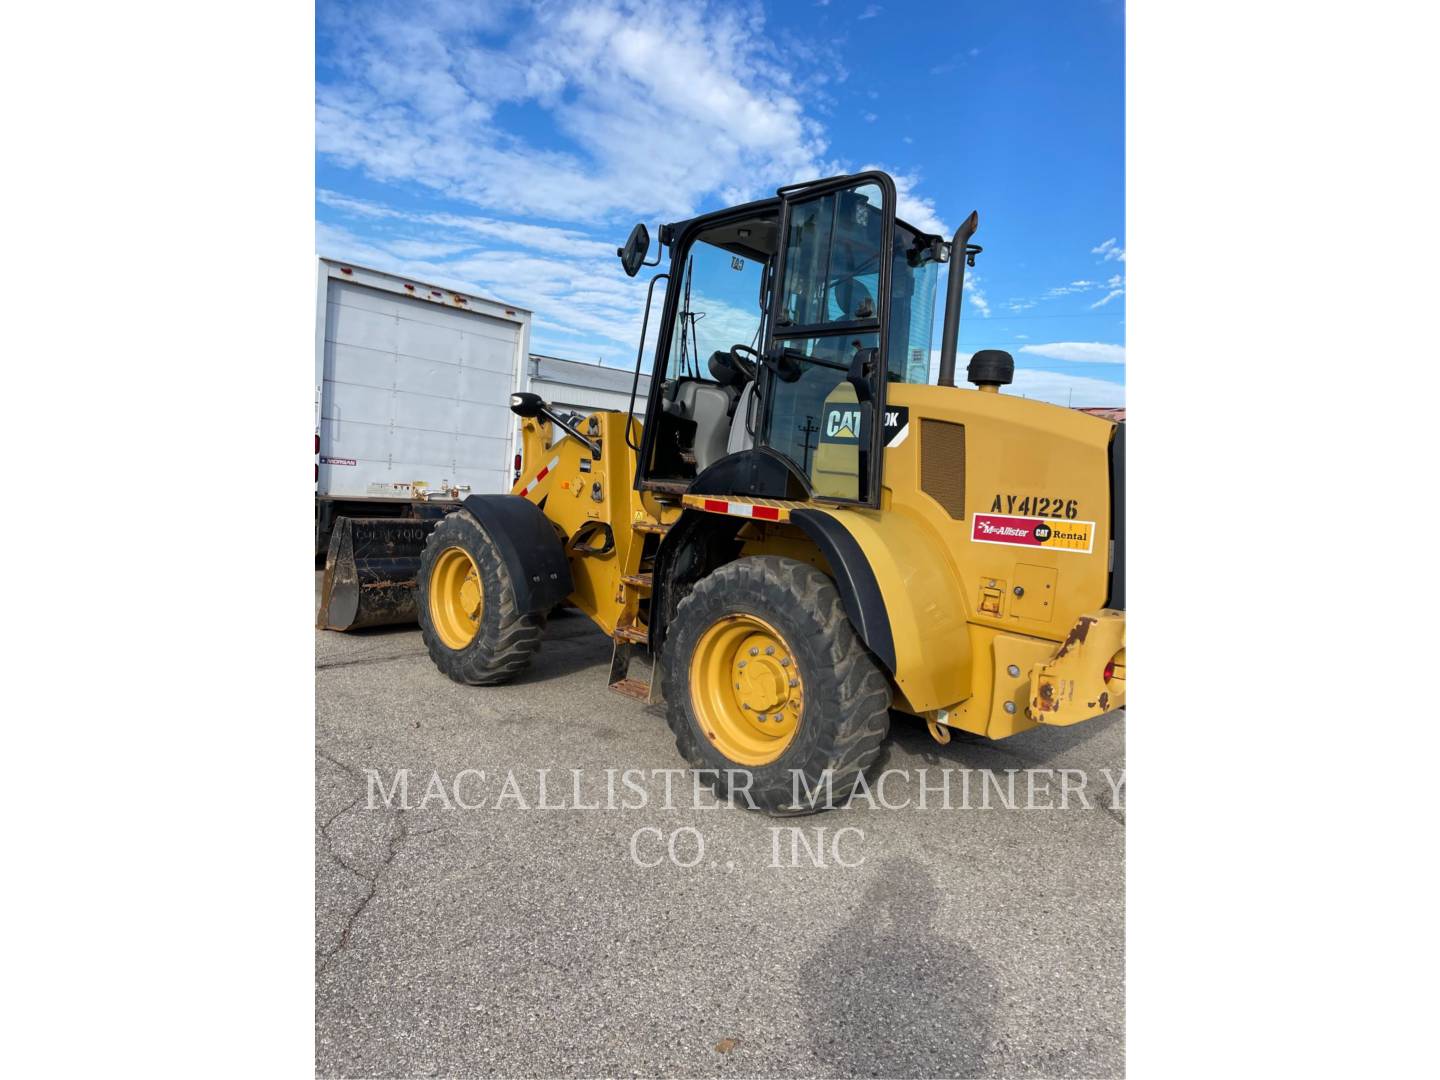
(471, 625)
(765, 676)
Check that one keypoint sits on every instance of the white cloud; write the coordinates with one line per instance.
(549, 238)
(1088, 352)
(722, 324)
(977, 296)
(961, 360)
(587, 298)
(871, 10)
(420, 103)
(1073, 287)
(425, 249)
(870, 117)
(1058, 388)
(1109, 251)
(1115, 285)
(909, 206)
(422, 97)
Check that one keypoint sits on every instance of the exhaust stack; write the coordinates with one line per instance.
(962, 253)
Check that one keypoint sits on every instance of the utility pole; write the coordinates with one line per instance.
(806, 430)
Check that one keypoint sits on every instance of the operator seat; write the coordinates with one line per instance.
(709, 406)
(729, 375)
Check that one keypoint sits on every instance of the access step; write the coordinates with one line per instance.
(639, 581)
(659, 528)
(631, 643)
(632, 688)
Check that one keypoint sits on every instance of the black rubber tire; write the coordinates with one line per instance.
(847, 697)
(507, 637)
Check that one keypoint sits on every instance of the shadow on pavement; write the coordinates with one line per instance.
(890, 996)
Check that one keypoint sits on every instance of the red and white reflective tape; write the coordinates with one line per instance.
(533, 484)
(741, 509)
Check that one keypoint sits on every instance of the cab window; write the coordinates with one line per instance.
(914, 276)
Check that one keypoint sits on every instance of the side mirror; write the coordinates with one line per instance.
(526, 405)
(632, 255)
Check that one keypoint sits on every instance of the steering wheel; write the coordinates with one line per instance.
(749, 368)
(784, 366)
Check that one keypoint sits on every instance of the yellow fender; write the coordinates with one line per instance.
(907, 605)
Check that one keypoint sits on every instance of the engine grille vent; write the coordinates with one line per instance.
(942, 465)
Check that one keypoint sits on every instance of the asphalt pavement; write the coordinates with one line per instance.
(462, 929)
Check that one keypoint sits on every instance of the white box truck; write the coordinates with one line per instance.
(412, 394)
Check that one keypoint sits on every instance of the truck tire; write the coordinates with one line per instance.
(763, 674)
(475, 632)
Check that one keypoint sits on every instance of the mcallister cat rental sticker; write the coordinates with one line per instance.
(1034, 532)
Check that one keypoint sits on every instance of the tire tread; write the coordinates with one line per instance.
(505, 644)
(850, 676)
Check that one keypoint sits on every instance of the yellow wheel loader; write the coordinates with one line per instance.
(800, 535)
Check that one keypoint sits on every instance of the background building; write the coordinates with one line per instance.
(581, 387)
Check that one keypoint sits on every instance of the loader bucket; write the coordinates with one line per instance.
(370, 572)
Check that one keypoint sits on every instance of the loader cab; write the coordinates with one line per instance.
(784, 321)
(715, 307)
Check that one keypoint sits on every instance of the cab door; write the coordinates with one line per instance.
(822, 386)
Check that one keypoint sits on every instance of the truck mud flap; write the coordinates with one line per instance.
(370, 572)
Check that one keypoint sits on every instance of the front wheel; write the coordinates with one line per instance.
(472, 627)
(768, 688)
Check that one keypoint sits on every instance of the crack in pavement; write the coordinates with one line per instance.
(369, 660)
(392, 847)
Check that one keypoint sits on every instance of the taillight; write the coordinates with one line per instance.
(1109, 670)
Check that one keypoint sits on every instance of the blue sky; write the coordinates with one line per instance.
(505, 149)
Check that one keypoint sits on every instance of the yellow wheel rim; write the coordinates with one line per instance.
(746, 689)
(457, 599)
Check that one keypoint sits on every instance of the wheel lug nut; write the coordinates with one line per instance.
(754, 651)
(744, 662)
(769, 650)
(785, 662)
(794, 682)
